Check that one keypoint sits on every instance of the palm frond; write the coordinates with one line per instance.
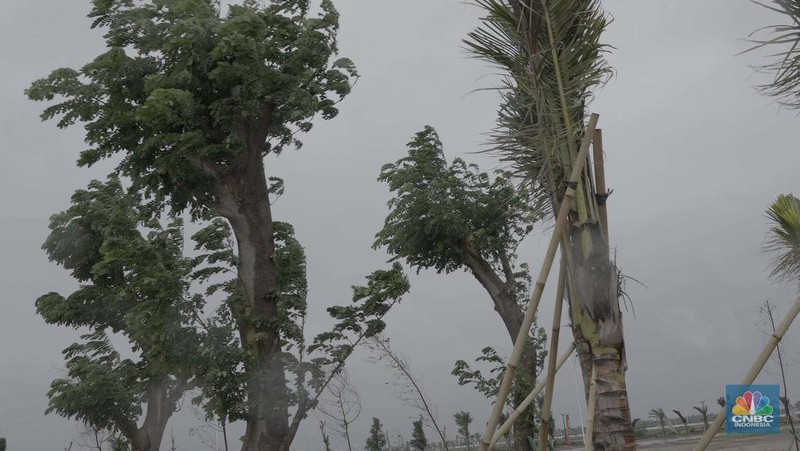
(783, 238)
(786, 69)
(551, 54)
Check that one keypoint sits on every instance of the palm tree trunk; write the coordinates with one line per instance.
(596, 314)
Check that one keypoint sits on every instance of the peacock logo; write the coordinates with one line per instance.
(753, 409)
(752, 403)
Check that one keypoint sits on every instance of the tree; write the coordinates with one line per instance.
(342, 406)
(418, 440)
(683, 420)
(2, 444)
(783, 238)
(659, 415)
(193, 98)
(455, 217)
(377, 439)
(409, 384)
(702, 409)
(463, 420)
(134, 282)
(552, 59)
(786, 69)
(326, 439)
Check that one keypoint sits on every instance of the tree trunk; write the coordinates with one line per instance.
(160, 407)
(525, 426)
(243, 199)
(598, 320)
(503, 295)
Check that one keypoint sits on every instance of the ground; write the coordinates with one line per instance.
(722, 442)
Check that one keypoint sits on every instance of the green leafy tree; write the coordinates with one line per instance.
(376, 440)
(552, 59)
(451, 217)
(193, 97)
(2, 444)
(134, 282)
(463, 420)
(418, 440)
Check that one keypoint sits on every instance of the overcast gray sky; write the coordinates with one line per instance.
(694, 156)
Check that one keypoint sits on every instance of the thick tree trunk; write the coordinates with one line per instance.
(503, 295)
(160, 407)
(525, 426)
(243, 199)
(597, 320)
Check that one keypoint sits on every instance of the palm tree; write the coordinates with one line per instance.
(659, 415)
(786, 69)
(783, 238)
(684, 420)
(551, 54)
(702, 409)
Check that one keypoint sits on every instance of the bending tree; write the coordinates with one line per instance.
(134, 282)
(456, 218)
(192, 98)
(661, 417)
(683, 419)
(342, 406)
(552, 59)
(702, 409)
(409, 384)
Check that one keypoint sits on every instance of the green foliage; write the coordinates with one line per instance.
(363, 318)
(552, 59)
(786, 67)
(487, 381)
(783, 238)
(438, 209)
(134, 281)
(119, 444)
(376, 440)
(191, 97)
(183, 87)
(418, 440)
(2, 444)
(463, 420)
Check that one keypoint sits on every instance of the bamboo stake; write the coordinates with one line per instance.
(555, 239)
(600, 181)
(512, 418)
(758, 365)
(553, 352)
(588, 441)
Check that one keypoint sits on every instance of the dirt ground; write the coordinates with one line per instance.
(722, 442)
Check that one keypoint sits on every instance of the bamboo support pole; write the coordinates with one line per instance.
(512, 418)
(758, 365)
(555, 239)
(553, 352)
(600, 181)
(588, 440)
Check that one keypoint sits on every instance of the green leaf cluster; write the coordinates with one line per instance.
(376, 440)
(185, 86)
(439, 209)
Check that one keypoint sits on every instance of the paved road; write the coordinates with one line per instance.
(733, 442)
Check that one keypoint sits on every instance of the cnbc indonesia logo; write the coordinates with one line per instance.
(752, 409)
